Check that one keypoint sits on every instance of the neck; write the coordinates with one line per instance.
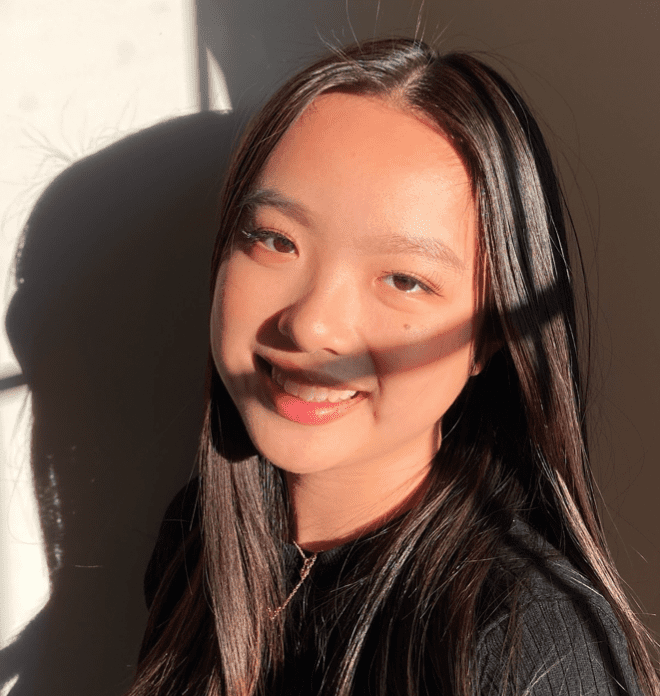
(333, 507)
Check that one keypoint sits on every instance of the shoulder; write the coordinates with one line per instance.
(567, 638)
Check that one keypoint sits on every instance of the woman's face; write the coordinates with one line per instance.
(354, 273)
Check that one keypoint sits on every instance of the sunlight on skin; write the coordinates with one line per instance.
(318, 287)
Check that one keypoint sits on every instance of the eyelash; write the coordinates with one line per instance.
(253, 235)
(425, 288)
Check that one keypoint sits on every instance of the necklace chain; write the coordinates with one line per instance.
(308, 562)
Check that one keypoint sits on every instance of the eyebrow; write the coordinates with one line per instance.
(393, 243)
(273, 199)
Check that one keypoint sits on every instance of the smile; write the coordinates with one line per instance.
(308, 404)
(308, 392)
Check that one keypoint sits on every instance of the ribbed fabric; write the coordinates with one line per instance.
(570, 643)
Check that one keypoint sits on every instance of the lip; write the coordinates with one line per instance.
(298, 410)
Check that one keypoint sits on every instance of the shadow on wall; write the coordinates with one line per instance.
(258, 43)
(109, 326)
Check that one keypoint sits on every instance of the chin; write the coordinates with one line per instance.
(294, 453)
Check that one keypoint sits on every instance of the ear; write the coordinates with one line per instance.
(483, 355)
(489, 335)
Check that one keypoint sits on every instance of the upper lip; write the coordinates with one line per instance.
(311, 377)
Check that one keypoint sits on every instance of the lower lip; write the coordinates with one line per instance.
(307, 412)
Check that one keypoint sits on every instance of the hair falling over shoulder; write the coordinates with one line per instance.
(514, 443)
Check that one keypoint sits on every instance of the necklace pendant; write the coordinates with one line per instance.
(308, 562)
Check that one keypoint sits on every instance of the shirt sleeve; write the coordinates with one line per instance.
(568, 647)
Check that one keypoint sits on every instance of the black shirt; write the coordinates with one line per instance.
(571, 643)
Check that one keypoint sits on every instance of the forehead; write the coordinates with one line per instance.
(356, 125)
(365, 164)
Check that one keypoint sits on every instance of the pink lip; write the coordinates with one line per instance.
(306, 412)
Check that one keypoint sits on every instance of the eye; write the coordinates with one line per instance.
(272, 241)
(407, 284)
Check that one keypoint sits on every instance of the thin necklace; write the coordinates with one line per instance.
(308, 562)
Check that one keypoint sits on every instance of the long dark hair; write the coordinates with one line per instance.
(514, 442)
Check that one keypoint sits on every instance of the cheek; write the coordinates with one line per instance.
(228, 315)
(424, 378)
(448, 345)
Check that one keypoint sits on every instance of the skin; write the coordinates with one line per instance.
(322, 289)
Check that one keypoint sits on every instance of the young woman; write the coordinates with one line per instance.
(394, 493)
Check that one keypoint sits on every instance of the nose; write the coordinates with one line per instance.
(325, 316)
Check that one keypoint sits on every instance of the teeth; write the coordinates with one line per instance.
(308, 392)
